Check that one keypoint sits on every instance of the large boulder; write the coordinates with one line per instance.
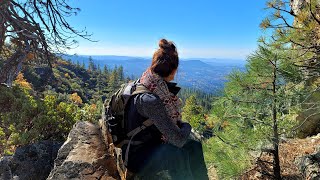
(309, 165)
(85, 155)
(33, 161)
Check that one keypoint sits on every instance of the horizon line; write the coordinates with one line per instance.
(149, 57)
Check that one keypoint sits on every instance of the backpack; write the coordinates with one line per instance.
(115, 111)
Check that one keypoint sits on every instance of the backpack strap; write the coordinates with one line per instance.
(140, 89)
(134, 132)
(144, 125)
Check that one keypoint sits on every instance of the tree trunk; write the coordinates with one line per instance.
(11, 67)
(2, 32)
(276, 161)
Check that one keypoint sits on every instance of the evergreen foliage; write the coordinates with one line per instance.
(276, 96)
(193, 113)
(260, 105)
(300, 42)
(203, 99)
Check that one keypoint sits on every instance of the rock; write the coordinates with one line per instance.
(212, 173)
(309, 165)
(85, 155)
(310, 126)
(267, 148)
(283, 139)
(316, 137)
(297, 5)
(33, 161)
(5, 171)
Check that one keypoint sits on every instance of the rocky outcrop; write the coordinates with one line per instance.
(309, 165)
(297, 5)
(85, 155)
(309, 118)
(30, 162)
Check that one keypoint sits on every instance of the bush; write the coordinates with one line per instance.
(25, 119)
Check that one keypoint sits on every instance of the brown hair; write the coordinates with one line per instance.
(165, 60)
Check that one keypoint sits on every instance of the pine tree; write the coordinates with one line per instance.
(113, 80)
(91, 66)
(105, 71)
(261, 96)
(99, 69)
(83, 66)
(120, 73)
(301, 38)
(193, 113)
(300, 41)
(78, 64)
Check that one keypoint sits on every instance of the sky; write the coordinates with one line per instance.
(200, 29)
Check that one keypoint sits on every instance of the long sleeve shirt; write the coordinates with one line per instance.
(151, 106)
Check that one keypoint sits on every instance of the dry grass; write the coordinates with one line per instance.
(212, 173)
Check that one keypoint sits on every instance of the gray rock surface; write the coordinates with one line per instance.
(309, 166)
(297, 5)
(5, 171)
(33, 161)
(85, 155)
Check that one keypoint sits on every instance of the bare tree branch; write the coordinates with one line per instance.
(34, 26)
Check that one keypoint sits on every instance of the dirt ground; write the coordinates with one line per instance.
(289, 150)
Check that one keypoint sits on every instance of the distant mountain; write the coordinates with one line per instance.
(207, 75)
(225, 62)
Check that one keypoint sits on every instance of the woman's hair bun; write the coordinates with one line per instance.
(166, 45)
(165, 60)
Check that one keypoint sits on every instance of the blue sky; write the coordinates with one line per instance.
(203, 28)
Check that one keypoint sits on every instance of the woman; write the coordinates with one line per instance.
(167, 151)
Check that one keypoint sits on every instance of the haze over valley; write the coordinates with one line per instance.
(207, 75)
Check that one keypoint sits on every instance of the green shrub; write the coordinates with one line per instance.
(25, 119)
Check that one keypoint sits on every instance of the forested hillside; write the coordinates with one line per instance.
(44, 104)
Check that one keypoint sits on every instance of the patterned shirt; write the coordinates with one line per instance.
(151, 106)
